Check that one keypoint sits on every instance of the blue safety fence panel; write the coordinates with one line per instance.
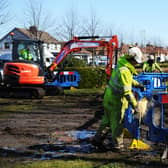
(153, 82)
(66, 79)
(158, 132)
(156, 91)
(131, 123)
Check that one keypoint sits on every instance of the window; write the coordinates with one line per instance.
(6, 45)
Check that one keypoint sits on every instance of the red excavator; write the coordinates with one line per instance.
(28, 78)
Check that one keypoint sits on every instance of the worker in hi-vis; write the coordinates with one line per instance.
(117, 96)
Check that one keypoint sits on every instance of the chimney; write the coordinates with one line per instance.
(33, 30)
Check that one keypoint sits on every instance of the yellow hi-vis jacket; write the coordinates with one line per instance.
(151, 68)
(25, 54)
(118, 95)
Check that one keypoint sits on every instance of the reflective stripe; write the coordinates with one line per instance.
(131, 96)
(127, 88)
(123, 68)
(115, 89)
(116, 82)
(116, 85)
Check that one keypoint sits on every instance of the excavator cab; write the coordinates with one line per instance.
(26, 67)
(28, 50)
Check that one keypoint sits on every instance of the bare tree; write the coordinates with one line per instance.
(92, 25)
(37, 18)
(4, 14)
(69, 26)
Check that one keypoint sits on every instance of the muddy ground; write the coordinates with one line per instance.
(31, 128)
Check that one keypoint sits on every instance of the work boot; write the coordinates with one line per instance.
(98, 139)
(117, 147)
(118, 144)
(96, 142)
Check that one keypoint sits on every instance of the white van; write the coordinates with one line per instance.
(48, 57)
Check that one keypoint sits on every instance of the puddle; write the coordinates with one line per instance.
(71, 136)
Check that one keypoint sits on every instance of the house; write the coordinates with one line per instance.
(50, 43)
(83, 55)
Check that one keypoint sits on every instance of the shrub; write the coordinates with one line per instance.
(73, 62)
(91, 77)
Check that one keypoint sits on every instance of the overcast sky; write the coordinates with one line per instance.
(143, 19)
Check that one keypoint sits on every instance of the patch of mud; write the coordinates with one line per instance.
(60, 126)
(66, 143)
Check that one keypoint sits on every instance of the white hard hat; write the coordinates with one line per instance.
(151, 57)
(136, 53)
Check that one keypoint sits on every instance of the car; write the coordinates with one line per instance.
(6, 56)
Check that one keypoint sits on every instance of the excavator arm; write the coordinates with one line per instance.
(112, 54)
(77, 43)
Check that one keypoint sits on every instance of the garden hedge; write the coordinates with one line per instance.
(95, 77)
(91, 77)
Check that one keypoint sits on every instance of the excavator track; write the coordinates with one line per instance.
(22, 92)
(54, 90)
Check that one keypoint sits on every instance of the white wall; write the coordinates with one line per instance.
(53, 48)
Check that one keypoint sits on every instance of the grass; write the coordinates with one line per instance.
(17, 107)
(63, 164)
(50, 164)
(75, 91)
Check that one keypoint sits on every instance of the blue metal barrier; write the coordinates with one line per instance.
(153, 82)
(156, 85)
(66, 79)
(130, 122)
(157, 133)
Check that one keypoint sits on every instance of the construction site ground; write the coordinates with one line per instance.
(30, 128)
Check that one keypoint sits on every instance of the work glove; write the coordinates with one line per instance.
(141, 87)
(136, 112)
